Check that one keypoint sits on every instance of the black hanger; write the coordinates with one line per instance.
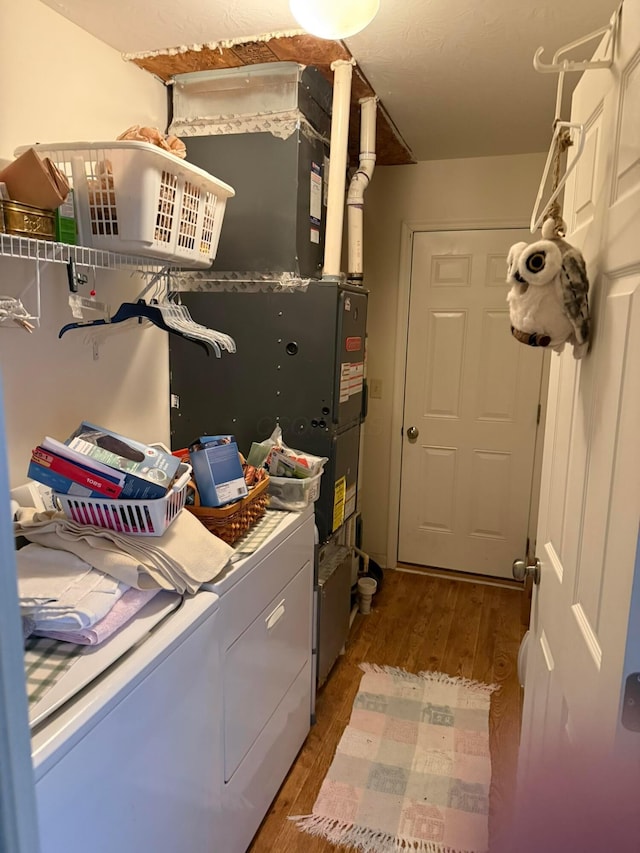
(130, 310)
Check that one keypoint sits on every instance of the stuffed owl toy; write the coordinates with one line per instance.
(548, 301)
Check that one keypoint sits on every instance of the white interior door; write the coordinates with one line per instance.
(471, 395)
(590, 490)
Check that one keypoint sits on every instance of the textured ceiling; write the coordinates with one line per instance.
(391, 149)
(455, 76)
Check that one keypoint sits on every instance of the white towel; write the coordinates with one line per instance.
(28, 603)
(118, 564)
(183, 558)
(85, 611)
(80, 594)
(126, 608)
(44, 573)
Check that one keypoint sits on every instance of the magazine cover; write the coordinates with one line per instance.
(148, 471)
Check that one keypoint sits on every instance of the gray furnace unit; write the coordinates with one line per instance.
(265, 130)
(299, 363)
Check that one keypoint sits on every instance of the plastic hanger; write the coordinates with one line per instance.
(557, 65)
(183, 324)
(560, 67)
(137, 310)
(181, 314)
(177, 316)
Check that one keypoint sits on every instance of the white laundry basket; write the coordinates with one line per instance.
(135, 517)
(134, 198)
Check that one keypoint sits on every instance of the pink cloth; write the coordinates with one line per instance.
(122, 611)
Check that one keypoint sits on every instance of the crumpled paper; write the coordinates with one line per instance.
(170, 143)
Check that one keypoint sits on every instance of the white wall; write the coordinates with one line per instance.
(487, 189)
(61, 84)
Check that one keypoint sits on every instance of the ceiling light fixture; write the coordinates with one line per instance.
(334, 19)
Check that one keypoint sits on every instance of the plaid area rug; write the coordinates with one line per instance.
(412, 770)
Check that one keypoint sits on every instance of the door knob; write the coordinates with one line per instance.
(521, 570)
(412, 433)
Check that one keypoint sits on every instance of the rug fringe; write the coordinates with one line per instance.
(428, 675)
(364, 839)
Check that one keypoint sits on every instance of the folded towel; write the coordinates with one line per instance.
(118, 564)
(29, 603)
(81, 595)
(183, 558)
(84, 613)
(125, 609)
(45, 573)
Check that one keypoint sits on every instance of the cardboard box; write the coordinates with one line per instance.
(217, 470)
(35, 181)
(148, 471)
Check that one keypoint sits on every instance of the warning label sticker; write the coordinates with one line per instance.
(351, 379)
(339, 492)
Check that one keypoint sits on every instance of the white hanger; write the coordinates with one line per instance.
(556, 65)
(177, 316)
(174, 314)
(561, 68)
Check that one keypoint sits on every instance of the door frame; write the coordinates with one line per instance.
(408, 229)
(18, 818)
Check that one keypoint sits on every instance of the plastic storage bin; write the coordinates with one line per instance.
(134, 198)
(228, 95)
(293, 494)
(139, 518)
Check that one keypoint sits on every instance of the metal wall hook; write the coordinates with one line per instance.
(74, 277)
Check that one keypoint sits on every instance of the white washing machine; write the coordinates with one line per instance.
(130, 760)
(202, 704)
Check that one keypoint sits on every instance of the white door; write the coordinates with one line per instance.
(471, 395)
(590, 491)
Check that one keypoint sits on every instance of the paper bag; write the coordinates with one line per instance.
(31, 180)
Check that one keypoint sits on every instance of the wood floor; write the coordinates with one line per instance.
(418, 622)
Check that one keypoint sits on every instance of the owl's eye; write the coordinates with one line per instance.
(536, 262)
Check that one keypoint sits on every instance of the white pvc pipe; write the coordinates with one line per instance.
(342, 71)
(359, 183)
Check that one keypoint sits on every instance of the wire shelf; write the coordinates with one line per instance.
(26, 248)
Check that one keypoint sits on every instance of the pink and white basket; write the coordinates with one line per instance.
(138, 518)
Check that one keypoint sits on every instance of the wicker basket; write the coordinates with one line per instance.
(232, 521)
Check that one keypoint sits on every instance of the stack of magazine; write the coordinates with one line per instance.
(98, 463)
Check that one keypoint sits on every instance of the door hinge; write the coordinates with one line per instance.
(539, 413)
